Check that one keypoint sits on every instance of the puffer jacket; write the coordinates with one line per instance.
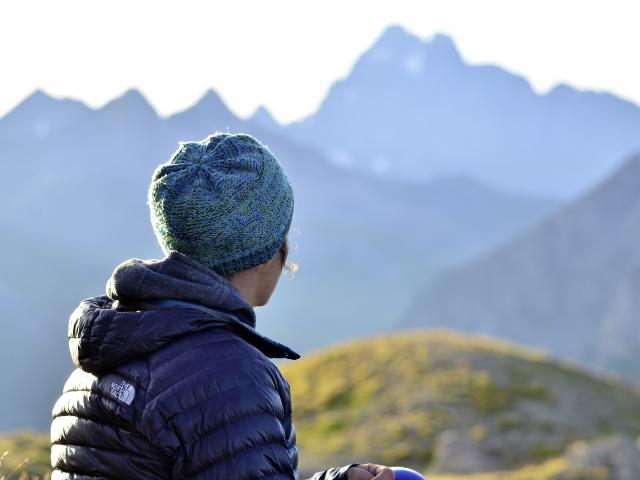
(173, 381)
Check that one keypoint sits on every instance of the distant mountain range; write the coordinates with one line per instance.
(76, 207)
(412, 109)
(571, 284)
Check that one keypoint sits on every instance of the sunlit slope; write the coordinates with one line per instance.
(28, 449)
(386, 398)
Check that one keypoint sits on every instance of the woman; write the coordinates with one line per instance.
(173, 381)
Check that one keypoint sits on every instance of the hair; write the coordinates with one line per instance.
(284, 251)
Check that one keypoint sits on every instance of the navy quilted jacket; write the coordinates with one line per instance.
(173, 382)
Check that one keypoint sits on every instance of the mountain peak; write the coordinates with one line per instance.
(395, 33)
(38, 95)
(209, 108)
(411, 52)
(36, 100)
(442, 47)
(39, 114)
(132, 100)
(561, 90)
(262, 116)
(134, 93)
(394, 40)
(212, 101)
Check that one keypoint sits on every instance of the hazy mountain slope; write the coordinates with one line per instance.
(41, 282)
(618, 347)
(263, 118)
(413, 109)
(39, 116)
(390, 397)
(569, 284)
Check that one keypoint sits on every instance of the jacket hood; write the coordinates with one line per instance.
(149, 303)
(180, 277)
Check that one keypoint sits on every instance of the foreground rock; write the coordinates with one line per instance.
(613, 458)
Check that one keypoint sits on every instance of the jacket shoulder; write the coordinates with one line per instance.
(95, 426)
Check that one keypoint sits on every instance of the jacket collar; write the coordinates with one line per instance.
(151, 302)
(270, 347)
(179, 277)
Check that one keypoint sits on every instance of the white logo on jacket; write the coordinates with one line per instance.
(123, 391)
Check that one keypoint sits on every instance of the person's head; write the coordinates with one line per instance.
(226, 202)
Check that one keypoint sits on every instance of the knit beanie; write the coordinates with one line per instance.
(224, 201)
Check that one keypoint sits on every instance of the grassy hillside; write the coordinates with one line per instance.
(35, 447)
(29, 449)
(387, 398)
(549, 470)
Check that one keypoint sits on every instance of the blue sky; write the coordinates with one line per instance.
(286, 53)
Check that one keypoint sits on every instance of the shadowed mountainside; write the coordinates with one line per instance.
(570, 284)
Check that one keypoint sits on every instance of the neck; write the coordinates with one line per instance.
(247, 288)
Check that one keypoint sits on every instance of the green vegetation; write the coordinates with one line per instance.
(386, 398)
(25, 456)
(549, 470)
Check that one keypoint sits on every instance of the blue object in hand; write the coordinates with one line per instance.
(403, 473)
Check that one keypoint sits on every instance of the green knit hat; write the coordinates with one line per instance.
(225, 201)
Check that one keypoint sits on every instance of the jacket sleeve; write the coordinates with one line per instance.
(338, 473)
